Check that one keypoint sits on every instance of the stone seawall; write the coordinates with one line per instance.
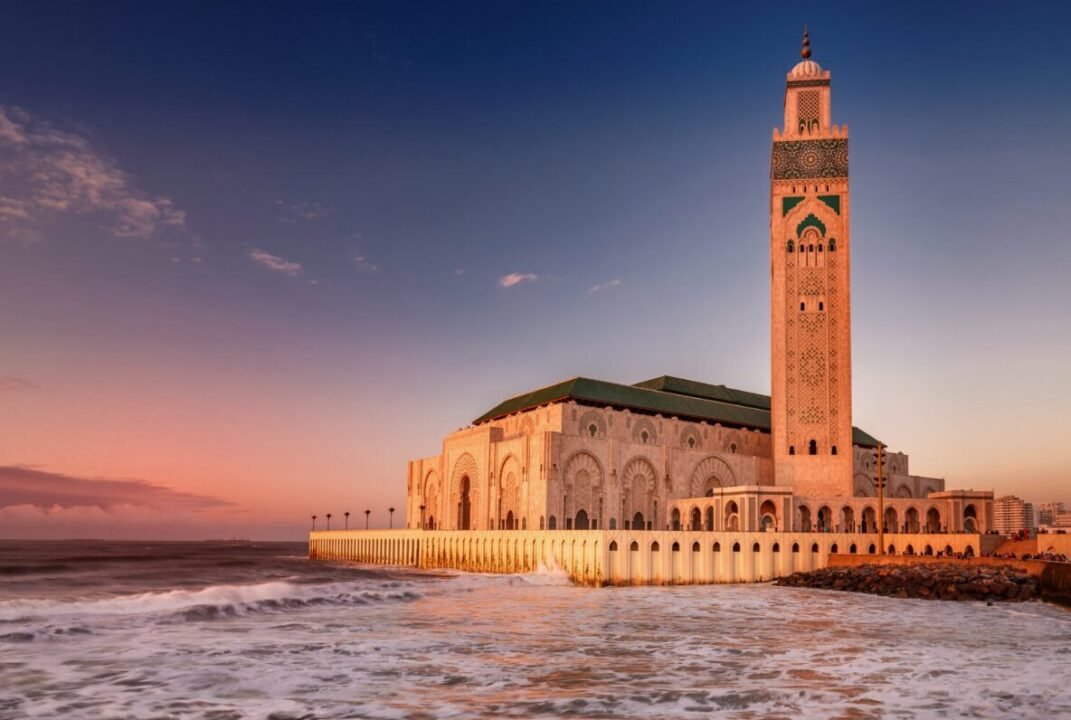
(1054, 579)
(621, 557)
(949, 580)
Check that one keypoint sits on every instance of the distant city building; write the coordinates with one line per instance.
(1049, 511)
(1054, 517)
(1012, 514)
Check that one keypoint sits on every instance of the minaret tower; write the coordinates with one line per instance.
(811, 362)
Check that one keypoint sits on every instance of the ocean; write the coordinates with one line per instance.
(254, 630)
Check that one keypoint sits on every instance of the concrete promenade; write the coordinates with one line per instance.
(627, 557)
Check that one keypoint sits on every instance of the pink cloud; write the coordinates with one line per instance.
(512, 279)
(275, 263)
(28, 486)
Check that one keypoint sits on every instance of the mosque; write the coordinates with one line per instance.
(671, 453)
(671, 480)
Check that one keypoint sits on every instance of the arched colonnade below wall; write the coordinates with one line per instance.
(600, 557)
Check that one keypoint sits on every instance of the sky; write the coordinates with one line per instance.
(254, 257)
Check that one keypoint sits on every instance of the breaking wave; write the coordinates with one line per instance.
(212, 602)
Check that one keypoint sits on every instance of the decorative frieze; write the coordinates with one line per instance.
(803, 159)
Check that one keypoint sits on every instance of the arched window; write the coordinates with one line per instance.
(777, 547)
(819, 247)
(791, 449)
(613, 546)
(695, 547)
(810, 248)
(635, 546)
(676, 547)
(691, 442)
(814, 548)
(833, 449)
(756, 548)
(592, 429)
(812, 447)
(552, 524)
(736, 547)
(541, 522)
(832, 245)
(790, 246)
(803, 306)
(795, 547)
(833, 550)
(644, 436)
(821, 306)
(717, 547)
(654, 546)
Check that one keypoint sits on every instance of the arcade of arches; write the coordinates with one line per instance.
(588, 492)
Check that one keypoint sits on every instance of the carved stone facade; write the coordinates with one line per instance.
(810, 249)
(569, 466)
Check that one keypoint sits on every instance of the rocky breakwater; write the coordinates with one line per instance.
(931, 581)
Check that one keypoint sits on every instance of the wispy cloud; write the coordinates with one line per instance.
(363, 263)
(46, 172)
(293, 213)
(275, 263)
(21, 485)
(602, 286)
(512, 279)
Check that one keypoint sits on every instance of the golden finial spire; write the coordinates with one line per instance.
(806, 51)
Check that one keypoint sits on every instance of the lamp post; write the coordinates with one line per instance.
(366, 514)
(347, 516)
(881, 499)
(328, 521)
(313, 522)
(422, 516)
(391, 511)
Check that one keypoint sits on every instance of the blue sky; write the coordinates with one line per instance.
(283, 254)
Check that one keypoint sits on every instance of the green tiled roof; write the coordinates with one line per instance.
(666, 395)
(680, 386)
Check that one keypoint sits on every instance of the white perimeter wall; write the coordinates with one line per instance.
(625, 557)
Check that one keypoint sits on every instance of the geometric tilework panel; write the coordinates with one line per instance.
(805, 159)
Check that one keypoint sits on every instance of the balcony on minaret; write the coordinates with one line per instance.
(834, 132)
